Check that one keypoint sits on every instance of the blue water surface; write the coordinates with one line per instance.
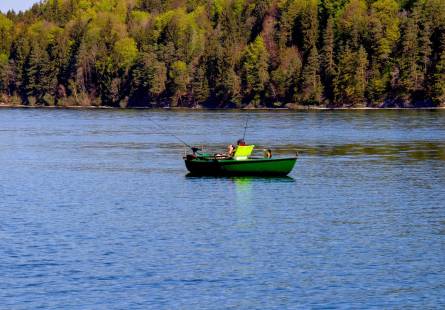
(97, 212)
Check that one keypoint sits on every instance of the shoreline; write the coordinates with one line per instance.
(298, 108)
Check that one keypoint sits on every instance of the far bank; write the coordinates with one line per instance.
(287, 107)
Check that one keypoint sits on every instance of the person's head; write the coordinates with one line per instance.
(241, 142)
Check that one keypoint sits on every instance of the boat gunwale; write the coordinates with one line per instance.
(245, 161)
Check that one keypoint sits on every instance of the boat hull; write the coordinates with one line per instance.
(250, 167)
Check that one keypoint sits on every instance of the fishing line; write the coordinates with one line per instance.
(245, 127)
(170, 134)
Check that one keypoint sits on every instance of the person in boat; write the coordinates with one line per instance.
(230, 150)
(241, 142)
(268, 154)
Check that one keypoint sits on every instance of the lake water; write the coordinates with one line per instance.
(97, 212)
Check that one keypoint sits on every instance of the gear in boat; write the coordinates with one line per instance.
(238, 161)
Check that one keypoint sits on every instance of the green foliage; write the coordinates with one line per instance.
(299, 24)
(148, 79)
(285, 77)
(328, 58)
(332, 7)
(179, 77)
(3, 59)
(4, 73)
(439, 76)
(311, 89)
(385, 25)
(379, 82)
(126, 52)
(352, 22)
(409, 79)
(40, 76)
(5, 34)
(350, 83)
(200, 85)
(255, 69)
(224, 52)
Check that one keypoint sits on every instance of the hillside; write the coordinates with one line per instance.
(224, 53)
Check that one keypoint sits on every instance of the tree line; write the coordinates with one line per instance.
(224, 53)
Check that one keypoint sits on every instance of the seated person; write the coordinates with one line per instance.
(230, 150)
(241, 142)
(268, 154)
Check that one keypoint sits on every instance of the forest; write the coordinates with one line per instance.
(224, 53)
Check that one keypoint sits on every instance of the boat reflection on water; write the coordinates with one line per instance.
(243, 191)
(243, 184)
(244, 207)
(243, 179)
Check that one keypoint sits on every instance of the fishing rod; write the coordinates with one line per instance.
(194, 149)
(245, 127)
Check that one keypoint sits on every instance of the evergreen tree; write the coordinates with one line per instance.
(328, 48)
(384, 24)
(353, 23)
(6, 26)
(311, 89)
(200, 86)
(328, 62)
(410, 73)
(350, 83)
(5, 74)
(285, 78)
(309, 25)
(179, 80)
(255, 69)
(439, 76)
(148, 79)
(40, 76)
(425, 54)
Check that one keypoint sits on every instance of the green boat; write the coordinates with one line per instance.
(240, 164)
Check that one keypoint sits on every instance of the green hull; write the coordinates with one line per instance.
(249, 167)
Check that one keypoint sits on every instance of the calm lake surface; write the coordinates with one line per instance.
(96, 212)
